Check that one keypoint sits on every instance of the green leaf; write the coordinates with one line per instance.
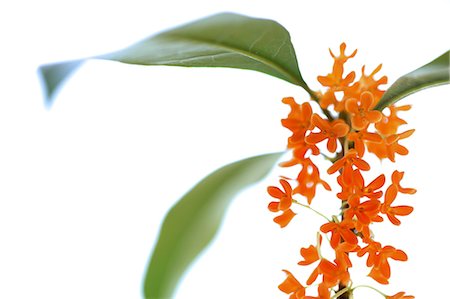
(54, 74)
(432, 74)
(192, 223)
(222, 40)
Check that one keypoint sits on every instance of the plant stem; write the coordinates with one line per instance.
(308, 207)
(341, 292)
(370, 287)
(344, 291)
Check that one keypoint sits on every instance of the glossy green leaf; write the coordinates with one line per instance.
(222, 40)
(192, 223)
(432, 74)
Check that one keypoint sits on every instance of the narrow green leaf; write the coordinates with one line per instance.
(191, 224)
(222, 40)
(432, 74)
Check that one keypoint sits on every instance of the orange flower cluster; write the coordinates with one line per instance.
(355, 130)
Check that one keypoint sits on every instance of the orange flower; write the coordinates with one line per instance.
(314, 274)
(378, 276)
(284, 219)
(372, 250)
(328, 98)
(359, 137)
(358, 187)
(333, 273)
(300, 149)
(284, 203)
(396, 177)
(298, 120)
(396, 137)
(400, 295)
(389, 146)
(392, 212)
(338, 67)
(285, 196)
(361, 111)
(323, 291)
(364, 228)
(346, 163)
(310, 254)
(367, 83)
(381, 272)
(340, 230)
(342, 253)
(347, 188)
(389, 124)
(369, 191)
(328, 130)
(297, 291)
(335, 81)
(365, 212)
(391, 194)
(292, 286)
(308, 179)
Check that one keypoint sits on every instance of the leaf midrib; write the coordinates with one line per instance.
(251, 55)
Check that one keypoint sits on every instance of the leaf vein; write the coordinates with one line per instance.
(252, 55)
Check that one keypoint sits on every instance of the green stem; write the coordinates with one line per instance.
(372, 288)
(308, 207)
(331, 159)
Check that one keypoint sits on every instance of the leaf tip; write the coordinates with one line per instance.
(53, 75)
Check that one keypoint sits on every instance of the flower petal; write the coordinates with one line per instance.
(402, 210)
(275, 192)
(314, 138)
(340, 129)
(366, 99)
(290, 284)
(351, 105)
(284, 218)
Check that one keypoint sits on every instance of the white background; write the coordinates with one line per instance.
(85, 185)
